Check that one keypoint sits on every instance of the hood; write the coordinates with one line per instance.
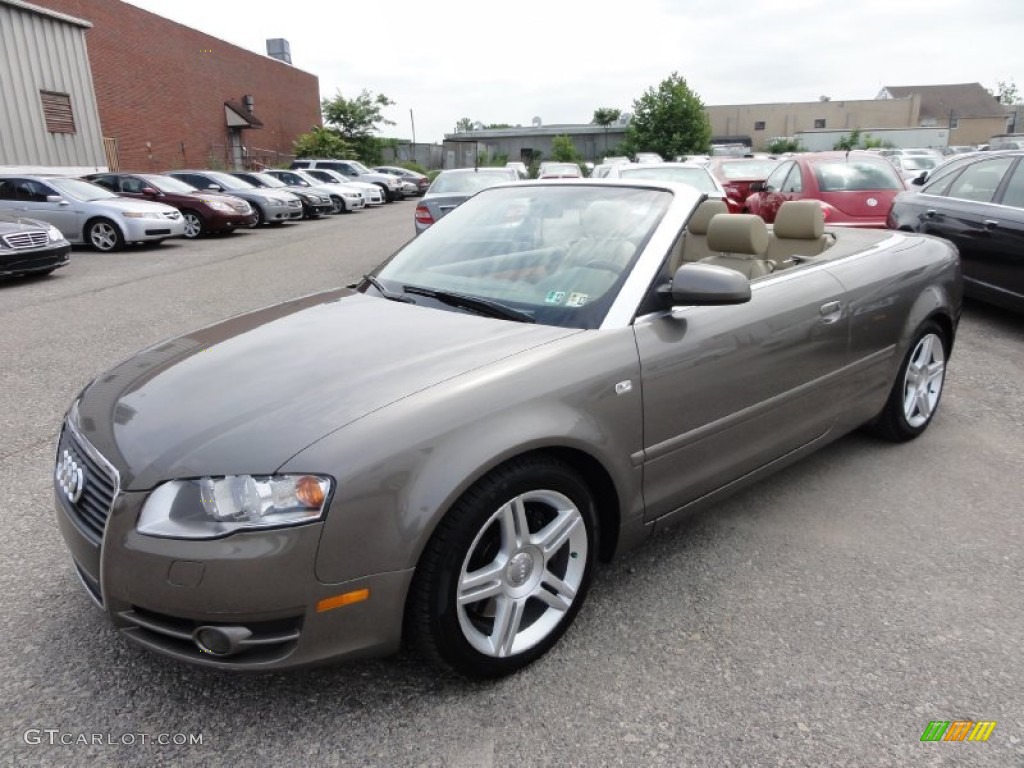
(135, 204)
(10, 224)
(247, 394)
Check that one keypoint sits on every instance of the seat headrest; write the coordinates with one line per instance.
(701, 218)
(742, 233)
(602, 218)
(799, 219)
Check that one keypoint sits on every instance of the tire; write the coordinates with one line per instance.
(532, 524)
(194, 225)
(388, 197)
(339, 205)
(261, 217)
(917, 390)
(104, 235)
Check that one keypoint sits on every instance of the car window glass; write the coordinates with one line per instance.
(774, 181)
(980, 181)
(1014, 193)
(794, 181)
(855, 175)
(30, 191)
(9, 189)
(132, 184)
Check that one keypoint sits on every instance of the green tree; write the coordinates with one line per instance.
(782, 144)
(849, 141)
(321, 142)
(564, 151)
(465, 125)
(605, 116)
(356, 121)
(669, 120)
(1006, 92)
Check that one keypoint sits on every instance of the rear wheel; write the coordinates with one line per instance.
(193, 224)
(506, 571)
(104, 235)
(917, 390)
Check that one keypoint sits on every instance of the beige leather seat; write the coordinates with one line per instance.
(739, 241)
(603, 226)
(799, 230)
(694, 245)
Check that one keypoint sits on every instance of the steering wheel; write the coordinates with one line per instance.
(606, 265)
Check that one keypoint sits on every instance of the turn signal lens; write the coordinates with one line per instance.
(310, 491)
(339, 601)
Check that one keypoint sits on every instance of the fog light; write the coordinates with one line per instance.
(220, 641)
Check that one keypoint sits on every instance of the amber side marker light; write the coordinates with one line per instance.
(339, 601)
(310, 492)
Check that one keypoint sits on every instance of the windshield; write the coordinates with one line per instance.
(228, 182)
(468, 183)
(170, 184)
(359, 166)
(855, 176)
(698, 178)
(270, 180)
(306, 178)
(85, 191)
(747, 169)
(557, 254)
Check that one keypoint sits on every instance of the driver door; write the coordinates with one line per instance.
(730, 389)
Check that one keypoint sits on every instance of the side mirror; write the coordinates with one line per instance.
(757, 186)
(708, 285)
(150, 192)
(215, 187)
(918, 181)
(55, 199)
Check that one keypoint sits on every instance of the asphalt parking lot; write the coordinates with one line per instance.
(822, 618)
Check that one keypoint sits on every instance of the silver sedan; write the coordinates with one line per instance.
(87, 213)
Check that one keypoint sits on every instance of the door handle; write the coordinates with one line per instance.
(991, 223)
(930, 213)
(830, 311)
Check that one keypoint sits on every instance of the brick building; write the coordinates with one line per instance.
(170, 96)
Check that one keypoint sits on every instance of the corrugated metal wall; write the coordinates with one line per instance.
(42, 53)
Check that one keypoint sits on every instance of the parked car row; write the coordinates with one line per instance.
(42, 215)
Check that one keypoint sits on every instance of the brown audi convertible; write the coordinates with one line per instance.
(442, 453)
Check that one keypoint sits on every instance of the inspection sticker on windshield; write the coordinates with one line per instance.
(555, 297)
(577, 299)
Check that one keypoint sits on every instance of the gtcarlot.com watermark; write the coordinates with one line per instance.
(54, 736)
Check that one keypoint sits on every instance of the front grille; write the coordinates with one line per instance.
(20, 240)
(99, 485)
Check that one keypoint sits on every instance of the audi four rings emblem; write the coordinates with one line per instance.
(70, 477)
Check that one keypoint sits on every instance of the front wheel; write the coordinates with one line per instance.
(193, 224)
(506, 571)
(918, 387)
(104, 235)
(261, 217)
(337, 205)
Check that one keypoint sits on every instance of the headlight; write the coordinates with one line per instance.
(217, 205)
(142, 215)
(215, 506)
(54, 234)
(354, 195)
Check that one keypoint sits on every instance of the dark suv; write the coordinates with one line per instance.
(204, 212)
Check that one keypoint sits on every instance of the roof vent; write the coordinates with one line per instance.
(278, 48)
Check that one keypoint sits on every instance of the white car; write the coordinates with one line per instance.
(345, 195)
(87, 213)
(694, 174)
(353, 170)
(371, 192)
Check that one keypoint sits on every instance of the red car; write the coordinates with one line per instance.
(855, 189)
(737, 174)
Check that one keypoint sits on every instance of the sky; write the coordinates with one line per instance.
(559, 61)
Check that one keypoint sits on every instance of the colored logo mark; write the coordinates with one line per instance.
(958, 730)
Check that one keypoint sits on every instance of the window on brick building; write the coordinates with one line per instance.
(759, 125)
(57, 112)
(819, 123)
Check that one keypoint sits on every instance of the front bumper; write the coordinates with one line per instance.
(28, 260)
(160, 592)
(284, 211)
(145, 230)
(219, 221)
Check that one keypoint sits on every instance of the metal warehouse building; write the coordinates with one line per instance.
(48, 112)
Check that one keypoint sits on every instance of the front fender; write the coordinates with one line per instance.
(400, 469)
